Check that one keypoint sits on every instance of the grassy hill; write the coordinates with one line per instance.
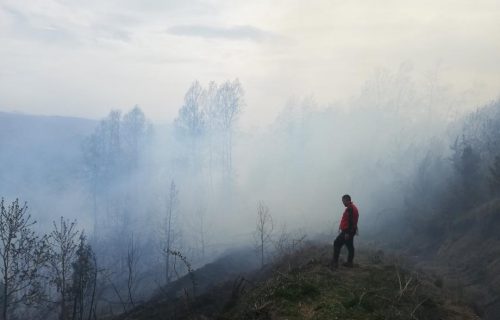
(471, 252)
(302, 286)
(461, 245)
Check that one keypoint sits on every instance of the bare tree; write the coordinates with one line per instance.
(102, 158)
(202, 232)
(183, 258)
(229, 105)
(288, 242)
(264, 230)
(168, 227)
(495, 176)
(63, 245)
(133, 257)
(210, 112)
(190, 124)
(23, 254)
(222, 105)
(84, 281)
(134, 134)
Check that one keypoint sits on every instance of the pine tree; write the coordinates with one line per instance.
(495, 176)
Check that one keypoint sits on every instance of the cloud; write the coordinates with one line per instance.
(23, 25)
(231, 33)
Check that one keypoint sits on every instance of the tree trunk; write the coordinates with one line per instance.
(262, 249)
(5, 288)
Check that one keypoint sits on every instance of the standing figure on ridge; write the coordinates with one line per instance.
(348, 229)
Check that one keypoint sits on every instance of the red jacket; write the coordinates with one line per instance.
(346, 224)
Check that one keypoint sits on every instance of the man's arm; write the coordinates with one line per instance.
(350, 229)
(350, 213)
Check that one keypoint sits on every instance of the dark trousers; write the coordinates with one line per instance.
(339, 242)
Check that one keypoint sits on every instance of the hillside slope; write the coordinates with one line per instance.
(471, 251)
(463, 246)
(302, 286)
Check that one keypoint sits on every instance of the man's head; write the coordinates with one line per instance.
(346, 199)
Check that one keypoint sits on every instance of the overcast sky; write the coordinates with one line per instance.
(82, 58)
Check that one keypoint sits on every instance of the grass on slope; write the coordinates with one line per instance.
(302, 286)
(371, 290)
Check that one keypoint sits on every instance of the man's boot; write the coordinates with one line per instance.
(334, 265)
(348, 264)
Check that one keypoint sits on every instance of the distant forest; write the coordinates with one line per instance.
(117, 209)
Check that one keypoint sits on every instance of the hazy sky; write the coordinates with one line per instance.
(83, 58)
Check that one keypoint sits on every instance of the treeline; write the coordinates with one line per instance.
(455, 176)
(44, 276)
(146, 187)
(134, 180)
(204, 131)
(193, 185)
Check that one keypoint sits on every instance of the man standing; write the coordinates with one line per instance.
(348, 228)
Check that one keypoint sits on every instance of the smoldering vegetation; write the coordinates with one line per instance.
(144, 203)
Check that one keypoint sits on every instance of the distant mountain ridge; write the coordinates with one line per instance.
(37, 150)
(19, 122)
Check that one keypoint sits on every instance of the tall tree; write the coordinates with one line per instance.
(23, 255)
(466, 162)
(210, 112)
(84, 281)
(190, 122)
(134, 132)
(133, 258)
(495, 176)
(102, 155)
(229, 106)
(63, 247)
(264, 230)
(168, 228)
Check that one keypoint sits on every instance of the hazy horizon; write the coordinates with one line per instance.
(83, 59)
